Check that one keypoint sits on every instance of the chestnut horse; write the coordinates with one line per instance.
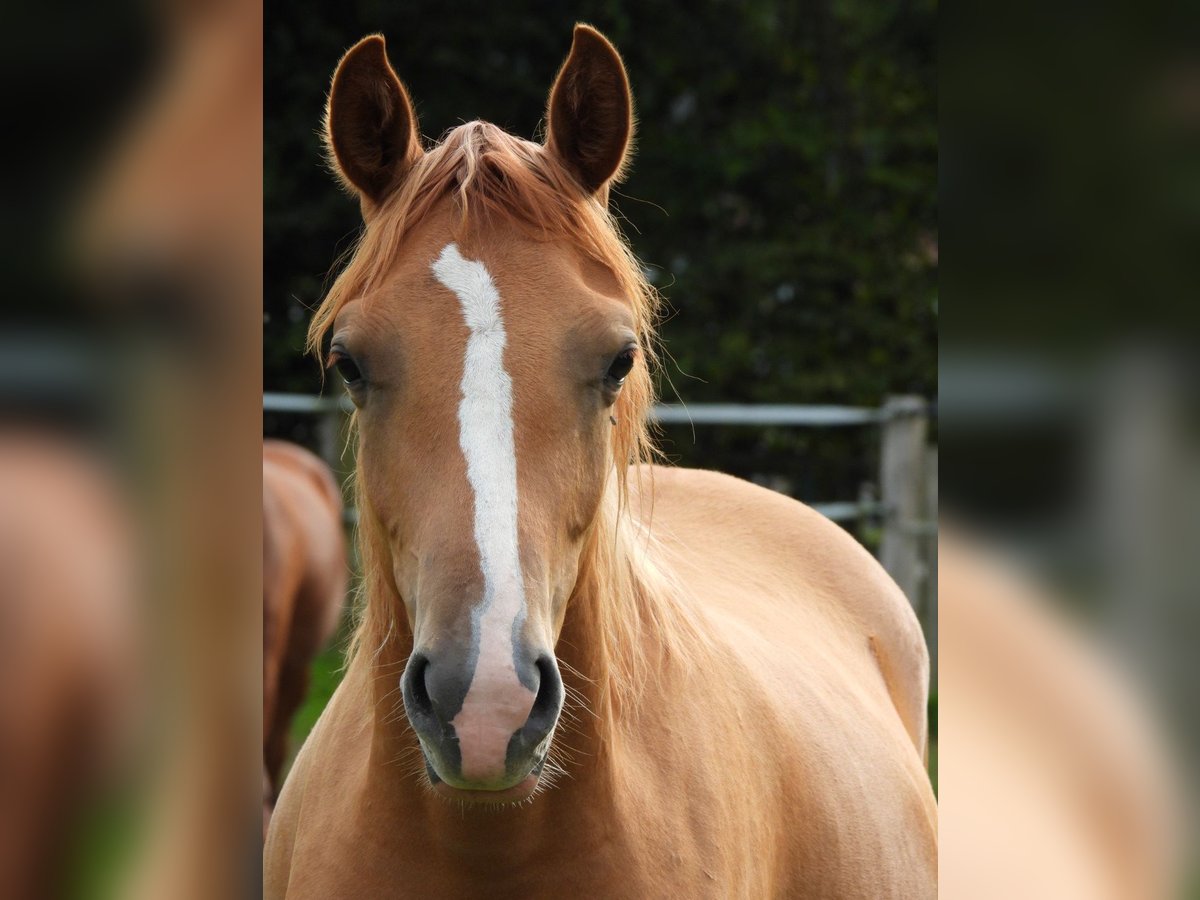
(574, 676)
(305, 575)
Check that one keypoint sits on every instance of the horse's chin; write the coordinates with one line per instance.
(508, 796)
(522, 790)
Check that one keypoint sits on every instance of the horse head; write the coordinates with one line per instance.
(492, 329)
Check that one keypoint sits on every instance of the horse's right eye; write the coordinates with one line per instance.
(346, 368)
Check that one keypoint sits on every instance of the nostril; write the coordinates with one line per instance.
(549, 695)
(415, 684)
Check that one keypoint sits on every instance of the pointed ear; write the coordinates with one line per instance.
(370, 126)
(590, 112)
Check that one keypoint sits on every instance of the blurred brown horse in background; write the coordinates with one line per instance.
(305, 576)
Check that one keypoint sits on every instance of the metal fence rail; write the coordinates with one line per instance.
(665, 413)
(729, 414)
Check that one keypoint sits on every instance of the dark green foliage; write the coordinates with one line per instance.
(783, 195)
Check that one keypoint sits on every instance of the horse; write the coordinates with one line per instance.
(575, 673)
(305, 577)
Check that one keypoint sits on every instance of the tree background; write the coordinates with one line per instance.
(782, 198)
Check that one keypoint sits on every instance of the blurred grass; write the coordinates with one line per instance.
(932, 762)
(327, 668)
(107, 835)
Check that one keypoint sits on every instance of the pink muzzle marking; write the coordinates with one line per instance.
(496, 706)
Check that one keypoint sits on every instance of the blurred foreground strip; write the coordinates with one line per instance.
(68, 633)
(1055, 781)
(129, 623)
(130, 454)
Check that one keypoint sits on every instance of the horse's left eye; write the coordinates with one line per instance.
(620, 367)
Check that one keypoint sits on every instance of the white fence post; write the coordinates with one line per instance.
(328, 428)
(901, 485)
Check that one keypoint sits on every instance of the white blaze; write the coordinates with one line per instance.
(497, 704)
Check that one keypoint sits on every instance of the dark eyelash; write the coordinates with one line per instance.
(346, 367)
(620, 367)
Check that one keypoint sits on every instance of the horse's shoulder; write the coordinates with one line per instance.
(748, 535)
(281, 833)
(313, 801)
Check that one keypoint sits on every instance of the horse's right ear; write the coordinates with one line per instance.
(370, 126)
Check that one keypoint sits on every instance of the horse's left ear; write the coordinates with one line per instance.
(590, 114)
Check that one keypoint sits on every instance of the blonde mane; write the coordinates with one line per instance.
(494, 177)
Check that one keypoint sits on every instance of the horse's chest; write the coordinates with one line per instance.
(563, 866)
